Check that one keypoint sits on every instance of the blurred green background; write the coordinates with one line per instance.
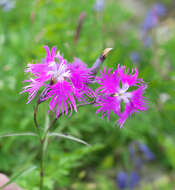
(25, 27)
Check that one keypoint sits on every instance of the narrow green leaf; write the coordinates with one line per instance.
(18, 175)
(18, 134)
(68, 137)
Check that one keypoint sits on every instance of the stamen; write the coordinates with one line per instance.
(59, 71)
(122, 93)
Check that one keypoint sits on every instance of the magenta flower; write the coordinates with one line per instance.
(32, 88)
(41, 72)
(80, 78)
(114, 89)
(65, 83)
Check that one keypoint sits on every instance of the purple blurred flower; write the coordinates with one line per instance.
(99, 5)
(7, 5)
(125, 181)
(159, 9)
(133, 180)
(135, 159)
(65, 83)
(114, 89)
(153, 15)
(147, 41)
(131, 150)
(147, 153)
(135, 57)
(150, 21)
(122, 180)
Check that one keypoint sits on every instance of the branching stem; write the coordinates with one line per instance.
(42, 141)
(44, 137)
(41, 146)
(79, 105)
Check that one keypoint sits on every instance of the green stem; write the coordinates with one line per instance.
(42, 141)
(79, 105)
(35, 120)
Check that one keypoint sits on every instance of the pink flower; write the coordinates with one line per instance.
(40, 72)
(65, 83)
(32, 88)
(114, 89)
(80, 78)
(62, 98)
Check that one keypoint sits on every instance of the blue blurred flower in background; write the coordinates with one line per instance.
(147, 153)
(99, 5)
(137, 162)
(147, 41)
(151, 20)
(135, 56)
(125, 181)
(7, 5)
(133, 180)
(160, 9)
(153, 16)
(139, 155)
(122, 180)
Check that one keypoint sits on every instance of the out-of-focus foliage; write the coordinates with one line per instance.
(25, 29)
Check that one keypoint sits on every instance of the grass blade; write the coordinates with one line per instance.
(68, 137)
(18, 134)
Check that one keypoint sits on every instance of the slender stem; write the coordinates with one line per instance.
(35, 119)
(42, 140)
(79, 27)
(42, 163)
(55, 120)
(35, 114)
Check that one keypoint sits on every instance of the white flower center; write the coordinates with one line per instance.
(59, 71)
(122, 93)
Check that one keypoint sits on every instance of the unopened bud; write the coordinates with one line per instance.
(96, 66)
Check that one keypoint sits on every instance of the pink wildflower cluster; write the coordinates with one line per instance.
(68, 83)
(114, 88)
(65, 82)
